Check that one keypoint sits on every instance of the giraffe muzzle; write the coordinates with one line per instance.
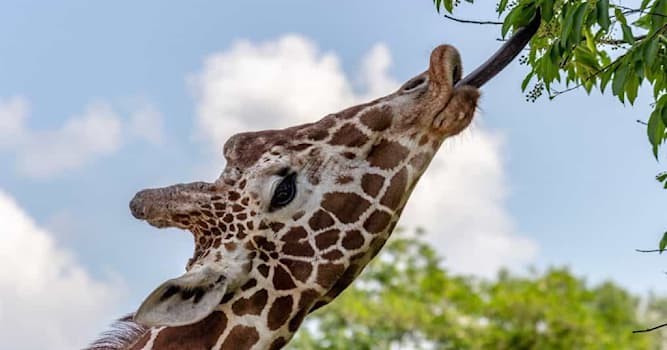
(161, 207)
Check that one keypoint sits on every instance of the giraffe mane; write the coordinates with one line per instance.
(123, 333)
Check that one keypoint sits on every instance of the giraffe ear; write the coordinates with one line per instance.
(183, 300)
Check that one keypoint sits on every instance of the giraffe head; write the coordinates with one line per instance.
(305, 207)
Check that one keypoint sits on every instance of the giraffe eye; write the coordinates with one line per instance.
(285, 192)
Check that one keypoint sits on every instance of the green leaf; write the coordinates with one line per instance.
(526, 80)
(655, 131)
(631, 87)
(627, 34)
(618, 84)
(644, 4)
(578, 22)
(663, 242)
(547, 10)
(620, 16)
(661, 177)
(449, 5)
(502, 5)
(651, 51)
(567, 25)
(602, 9)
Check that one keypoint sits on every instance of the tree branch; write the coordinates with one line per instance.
(471, 21)
(633, 10)
(647, 250)
(649, 329)
(620, 41)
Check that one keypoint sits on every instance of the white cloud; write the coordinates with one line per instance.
(97, 132)
(273, 85)
(13, 113)
(47, 300)
(146, 123)
(460, 200)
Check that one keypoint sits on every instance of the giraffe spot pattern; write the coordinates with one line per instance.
(328, 273)
(298, 249)
(282, 280)
(348, 135)
(320, 220)
(394, 193)
(252, 305)
(377, 221)
(353, 240)
(346, 206)
(372, 184)
(240, 338)
(280, 311)
(301, 270)
(198, 336)
(387, 154)
(326, 239)
(377, 119)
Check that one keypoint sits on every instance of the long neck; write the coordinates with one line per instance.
(253, 319)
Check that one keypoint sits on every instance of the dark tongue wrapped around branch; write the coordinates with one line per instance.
(503, 56)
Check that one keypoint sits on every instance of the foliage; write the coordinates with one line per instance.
(404, 299)
(594, 44)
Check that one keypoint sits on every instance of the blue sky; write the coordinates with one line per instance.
(100, 100)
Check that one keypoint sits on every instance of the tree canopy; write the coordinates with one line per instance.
(405, 299)
(593, 44)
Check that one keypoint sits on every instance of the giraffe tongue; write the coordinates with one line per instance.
(503, 56)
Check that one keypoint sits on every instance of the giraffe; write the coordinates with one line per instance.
(294, 217)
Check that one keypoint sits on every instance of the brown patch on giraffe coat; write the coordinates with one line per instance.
(320, 219)
(252, 305)
(394, 193)
(344, 281)
(264, 243)
(377, 119)
(278, 343)
(305, 303)
(347, 207)
(282, 280)
(240, 338)
(276, 226)
(377, 221)
(199, 336)
(263, 269)
(328, 274)
(326, 239)
(333, 255)
(298, 249)
(280, 311)
(348, 135)
(372, 183)
(387, 154)
(300, 269)
(353, 239)
(251, 283)
(294, 234)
